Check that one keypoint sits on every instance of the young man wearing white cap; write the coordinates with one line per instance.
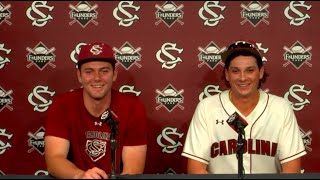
(271, 140)
(77, 140)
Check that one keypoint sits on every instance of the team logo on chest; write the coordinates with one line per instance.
(96, 144)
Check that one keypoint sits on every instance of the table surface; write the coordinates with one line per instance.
(186, 176)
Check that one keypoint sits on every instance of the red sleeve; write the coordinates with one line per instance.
(136, 130)
(56, 124)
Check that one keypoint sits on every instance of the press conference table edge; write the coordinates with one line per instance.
(184, 176)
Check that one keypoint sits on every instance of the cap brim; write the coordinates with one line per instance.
(228, 53)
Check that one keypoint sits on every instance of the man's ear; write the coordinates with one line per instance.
(115, 74)
(226, 74)
(261, 72)
(79, 76)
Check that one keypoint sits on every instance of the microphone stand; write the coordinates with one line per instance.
(107, 118)
(240, 144)
(113, 146)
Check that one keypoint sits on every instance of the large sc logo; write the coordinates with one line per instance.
(293, 92)
(172, 144)
(39, 18)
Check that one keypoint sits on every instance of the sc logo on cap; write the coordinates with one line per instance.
(96, 50)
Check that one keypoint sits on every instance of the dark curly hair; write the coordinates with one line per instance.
(244, 53)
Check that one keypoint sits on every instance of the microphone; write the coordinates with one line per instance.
(106, 117)
(237, 123)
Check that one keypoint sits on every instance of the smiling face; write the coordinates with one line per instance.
(244, 75)
(96, 78)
